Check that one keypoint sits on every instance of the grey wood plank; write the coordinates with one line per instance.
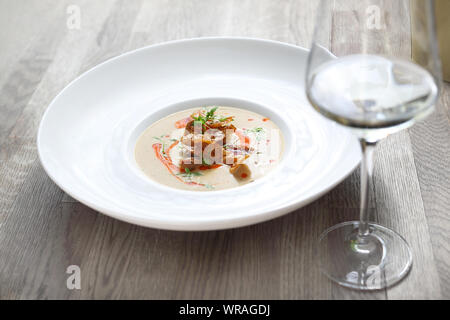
(23, 243)
(445, 104)
(400, 207)
(19, 160)
(395, 170)
(396, 20)
(347, 22)
(18, 150)
(399, 200)
(29, 69)
(20, 15)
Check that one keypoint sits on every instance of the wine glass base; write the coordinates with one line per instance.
(380, 260)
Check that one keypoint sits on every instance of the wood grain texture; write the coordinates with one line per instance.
(43, 231)
(430, 141)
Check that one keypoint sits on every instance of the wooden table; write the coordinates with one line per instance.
(43, 231)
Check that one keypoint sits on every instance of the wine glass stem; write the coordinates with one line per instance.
(366, 179)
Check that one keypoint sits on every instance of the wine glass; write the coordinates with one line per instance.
(361, 75)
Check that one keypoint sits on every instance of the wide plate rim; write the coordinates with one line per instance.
(184, 225)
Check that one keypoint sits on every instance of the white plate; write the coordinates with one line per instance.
(87, 135)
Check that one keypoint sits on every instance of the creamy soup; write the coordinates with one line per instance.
(209, 148)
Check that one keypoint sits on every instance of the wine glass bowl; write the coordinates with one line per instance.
(362, 77)
(371, 94)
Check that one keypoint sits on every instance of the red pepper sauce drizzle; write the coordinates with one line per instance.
(166, 160)
(182, 123)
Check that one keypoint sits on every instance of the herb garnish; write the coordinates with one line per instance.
(256, 130)
(189, 174)
(209, 115)
(353, 244)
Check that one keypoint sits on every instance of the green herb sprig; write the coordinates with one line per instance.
(256, 130)
(160, 139)
(210, 115)
(189, 174)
